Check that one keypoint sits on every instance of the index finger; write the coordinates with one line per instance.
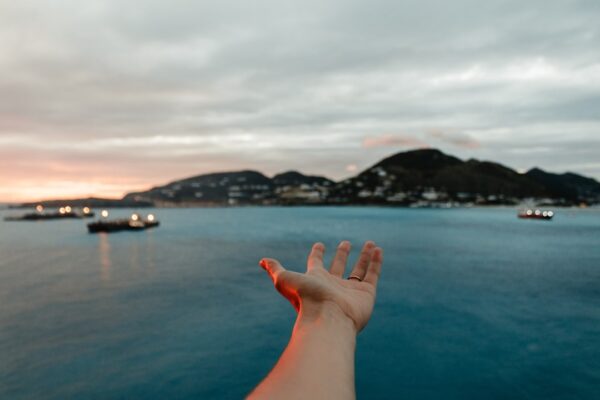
(315, 258)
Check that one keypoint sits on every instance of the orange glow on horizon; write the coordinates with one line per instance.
(33, 191)
(33, 175)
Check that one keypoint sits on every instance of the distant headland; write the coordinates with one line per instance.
(417, 178)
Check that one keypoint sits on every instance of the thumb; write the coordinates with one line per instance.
(285, 281)
(272, 266)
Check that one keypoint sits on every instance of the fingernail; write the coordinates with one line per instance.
(263, 263)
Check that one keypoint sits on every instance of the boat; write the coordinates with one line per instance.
(536, 214)
(134, 223)
(62, 213)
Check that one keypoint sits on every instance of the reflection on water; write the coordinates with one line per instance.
(150, 250)
(140, 255)
(134, 256)
(104, 252)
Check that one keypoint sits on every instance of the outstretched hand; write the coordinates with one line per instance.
(310, 292)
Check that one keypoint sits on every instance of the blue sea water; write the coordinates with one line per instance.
(472, 304)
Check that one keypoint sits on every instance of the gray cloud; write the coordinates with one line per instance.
(277, 85)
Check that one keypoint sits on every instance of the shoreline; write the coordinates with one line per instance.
(323, 205)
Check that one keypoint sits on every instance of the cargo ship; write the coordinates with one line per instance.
(133, 223)
(40, 214)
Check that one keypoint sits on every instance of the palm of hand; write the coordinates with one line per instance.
(355, 297)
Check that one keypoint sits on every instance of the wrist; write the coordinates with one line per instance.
(325, 315)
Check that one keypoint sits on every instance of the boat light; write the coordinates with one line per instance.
(104, 214)
(550, 213)
(134, 217)
(62, 210)
(529, 212)
(86, 210)
(545, 213)
(39, 208)
(537, 212)
(68, 209)
(150, 217)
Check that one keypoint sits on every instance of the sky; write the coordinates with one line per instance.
(105, 97)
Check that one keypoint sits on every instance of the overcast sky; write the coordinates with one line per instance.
(108, 96)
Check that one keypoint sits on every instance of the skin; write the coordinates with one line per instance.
(318, 362)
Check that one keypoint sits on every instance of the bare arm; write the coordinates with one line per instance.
(318, 362)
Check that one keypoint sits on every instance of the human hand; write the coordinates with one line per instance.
(320, 288)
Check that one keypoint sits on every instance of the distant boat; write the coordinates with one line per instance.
(134, 223)
(62, 213)
(536, 214)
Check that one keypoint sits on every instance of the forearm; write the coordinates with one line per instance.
(318, 362)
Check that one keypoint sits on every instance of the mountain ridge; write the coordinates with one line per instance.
(411, 178)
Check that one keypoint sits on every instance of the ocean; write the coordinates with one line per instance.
(472, 303)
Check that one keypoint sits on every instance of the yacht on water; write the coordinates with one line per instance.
(536, 214)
